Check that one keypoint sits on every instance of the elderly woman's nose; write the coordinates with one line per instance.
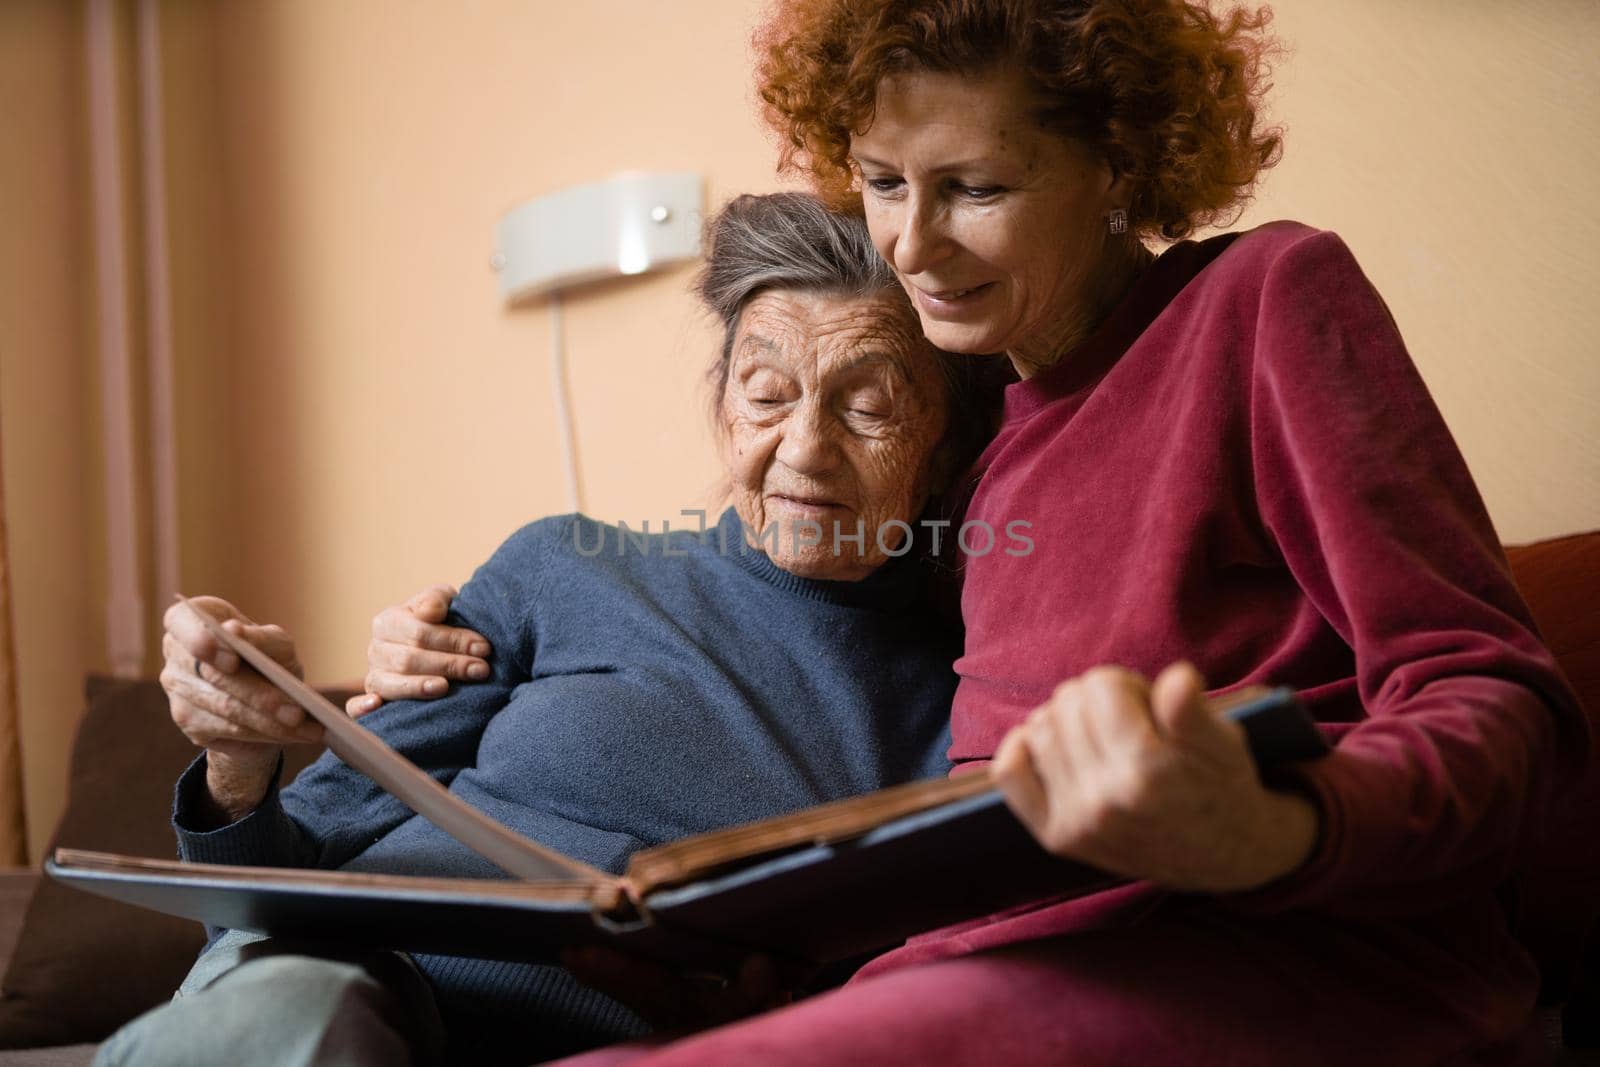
(808, 446)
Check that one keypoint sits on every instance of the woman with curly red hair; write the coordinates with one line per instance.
(1233, 475)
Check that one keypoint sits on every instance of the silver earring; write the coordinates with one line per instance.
(1117, 220)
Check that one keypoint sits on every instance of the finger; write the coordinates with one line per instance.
(204, 727)
(277, 737)
(400, 626)
(397, 624)
(361, 704)
(183, 673)
(409, 659)
(281, 723)
(1018, 780)
(1069, 765)
(245, 687)
(433, 603)
(174, 653)
(190, 632)
(273, 640)
(457, 639)
(1116, 707)
(1050, 755)
(1178, 704)
(391, 685)
(1062, 730)
(245, 700)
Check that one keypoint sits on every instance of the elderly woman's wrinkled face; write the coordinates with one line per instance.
(994, 224)
(832, 412)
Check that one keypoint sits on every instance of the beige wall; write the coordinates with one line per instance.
(1456, 147)
(46, 393)
(360, 416)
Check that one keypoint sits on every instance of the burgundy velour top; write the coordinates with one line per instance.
(1242, 468)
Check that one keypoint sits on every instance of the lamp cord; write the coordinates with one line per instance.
(558, 370)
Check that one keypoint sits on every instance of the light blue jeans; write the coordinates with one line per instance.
(254, 1001)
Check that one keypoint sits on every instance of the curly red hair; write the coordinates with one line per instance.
(1168, 92)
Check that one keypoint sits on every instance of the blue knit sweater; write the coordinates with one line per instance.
(643, 689)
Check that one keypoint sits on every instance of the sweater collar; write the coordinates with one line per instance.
(894, 586)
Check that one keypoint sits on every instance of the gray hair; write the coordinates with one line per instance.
(782, 241)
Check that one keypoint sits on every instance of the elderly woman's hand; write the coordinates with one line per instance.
(413, 657)
(237, 716)
(1148, 781)
(671, 1001)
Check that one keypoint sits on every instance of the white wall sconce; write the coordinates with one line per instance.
(629, 224)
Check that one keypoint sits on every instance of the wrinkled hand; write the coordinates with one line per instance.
(671, 1001)
(225, 707)
(1149, 782)
(413, 657)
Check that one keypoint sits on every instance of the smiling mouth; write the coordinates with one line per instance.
(952, 303)
(952, 294)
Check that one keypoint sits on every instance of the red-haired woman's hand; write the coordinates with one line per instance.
(414, 656)
(1149, 782)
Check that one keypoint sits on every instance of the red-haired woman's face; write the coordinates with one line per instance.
(995, 225)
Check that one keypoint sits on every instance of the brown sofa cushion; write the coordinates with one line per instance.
(16, 889)
(1560, 887)
(84, 965)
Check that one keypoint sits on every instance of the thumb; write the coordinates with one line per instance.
(1178, 703)
(433, 603)
(271, 639)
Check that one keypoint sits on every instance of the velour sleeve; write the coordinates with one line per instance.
(332, 812)
(1469, 729)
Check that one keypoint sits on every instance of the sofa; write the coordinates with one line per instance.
(76, 966)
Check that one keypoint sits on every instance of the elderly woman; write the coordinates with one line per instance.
(1234, 475)
(641, 689)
